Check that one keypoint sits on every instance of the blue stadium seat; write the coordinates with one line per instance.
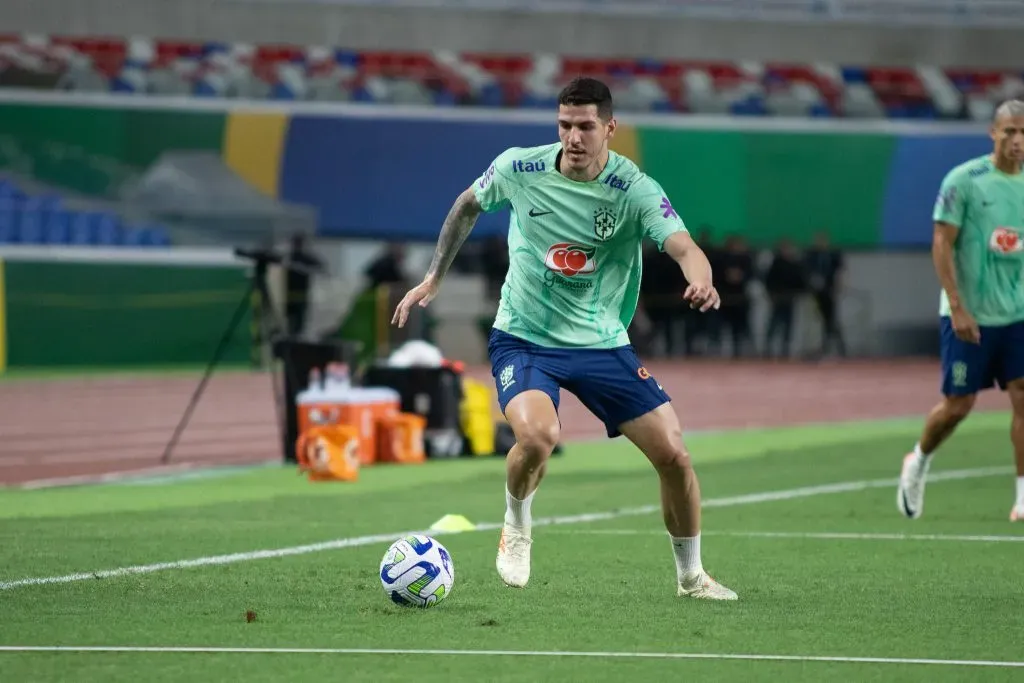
(133, 236)
(57, 229)
(280, 91)
(362, 94)
(444, 98)
(108, 230)
(159, 237)
(346, 57)
(215, 47)
(8, 222)
(820, 110)
(202, 88)
(82, 228)
(751, 106)
(492, 95)
(31, 226)
(854, 74)
(8, 190)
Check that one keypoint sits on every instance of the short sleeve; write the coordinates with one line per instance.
(495, 187)
(658, 218)
(951, 203)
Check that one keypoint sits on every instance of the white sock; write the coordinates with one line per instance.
(517, 512)
(1020, 491)
(687, 553)
(922, 457)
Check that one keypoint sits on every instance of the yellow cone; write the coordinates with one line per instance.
(452, 523)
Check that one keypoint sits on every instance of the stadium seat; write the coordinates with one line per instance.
(58, 228)
(444, 78)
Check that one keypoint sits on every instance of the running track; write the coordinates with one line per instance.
(86, 427)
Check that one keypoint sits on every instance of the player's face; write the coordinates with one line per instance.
(1008, 134)
(583, 134)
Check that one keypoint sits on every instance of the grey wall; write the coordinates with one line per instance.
(310, 22)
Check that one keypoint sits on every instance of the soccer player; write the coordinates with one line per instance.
(978, 250)
(579, 214)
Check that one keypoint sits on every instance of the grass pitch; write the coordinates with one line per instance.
(802, 523)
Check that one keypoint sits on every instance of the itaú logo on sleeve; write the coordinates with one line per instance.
(570, 259)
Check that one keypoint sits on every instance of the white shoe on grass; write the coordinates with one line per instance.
(910, 493)
(513, 559)
(698, 584)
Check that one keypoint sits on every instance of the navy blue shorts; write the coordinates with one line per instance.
(612, 383)
(968, 368)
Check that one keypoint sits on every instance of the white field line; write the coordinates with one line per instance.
(837, 536)
(163, 474)
(513, 653)
(785, 494)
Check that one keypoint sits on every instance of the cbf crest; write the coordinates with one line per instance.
(604, 223)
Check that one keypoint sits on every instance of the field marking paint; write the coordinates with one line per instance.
(356, 541)
(513, 653)
(150, 476)
(838, 535)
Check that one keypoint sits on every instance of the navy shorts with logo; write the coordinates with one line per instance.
(969, 368)
(612, 383)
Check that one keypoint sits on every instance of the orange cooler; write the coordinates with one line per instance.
(360, 407)
(400, 438)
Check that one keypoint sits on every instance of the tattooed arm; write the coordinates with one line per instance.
(456, 227)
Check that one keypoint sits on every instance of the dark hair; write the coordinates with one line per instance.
(583, 90)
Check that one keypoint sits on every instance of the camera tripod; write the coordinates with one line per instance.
(270, 328)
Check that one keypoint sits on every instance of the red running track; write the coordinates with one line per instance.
(90, 427)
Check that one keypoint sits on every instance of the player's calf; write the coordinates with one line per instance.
(535, 424)
(659, 436)
(939, 425)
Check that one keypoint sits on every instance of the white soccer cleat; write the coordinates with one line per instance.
(910, 493)
(1017, 513)
(698, 584)
(513, 560)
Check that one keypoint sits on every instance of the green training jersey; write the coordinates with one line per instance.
(988, 207)
(574, 247)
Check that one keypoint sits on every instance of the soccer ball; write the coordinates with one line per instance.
(417, 571)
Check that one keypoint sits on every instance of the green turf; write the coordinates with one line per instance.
(599, 586)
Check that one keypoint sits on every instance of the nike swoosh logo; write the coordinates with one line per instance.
(534, 213)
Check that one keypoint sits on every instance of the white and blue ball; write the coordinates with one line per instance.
(417, 571)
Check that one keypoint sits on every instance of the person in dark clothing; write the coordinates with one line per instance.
(824, 265)
(387, 269)
(784, 282)
(703, 326)
(493, 264)
(661, 287)
(297, 280)
(737, 268)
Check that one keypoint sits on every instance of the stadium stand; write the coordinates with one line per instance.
(40, 219)
(445, 78)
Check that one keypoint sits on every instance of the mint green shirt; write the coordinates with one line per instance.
(988, 207)
(574, 247)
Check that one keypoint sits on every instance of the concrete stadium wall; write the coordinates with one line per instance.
(318, 22)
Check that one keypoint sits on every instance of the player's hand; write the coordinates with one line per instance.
(421, 294)
(703, 296)
(965, 326)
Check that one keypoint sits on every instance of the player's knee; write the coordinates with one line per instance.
(958, 407)
(538, 440)
(672, 458)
